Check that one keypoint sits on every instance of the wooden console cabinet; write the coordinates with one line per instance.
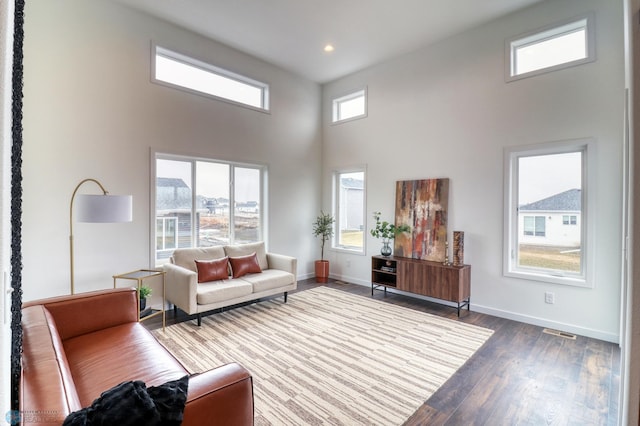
(431, 279)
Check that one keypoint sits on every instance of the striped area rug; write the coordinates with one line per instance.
(330, 357)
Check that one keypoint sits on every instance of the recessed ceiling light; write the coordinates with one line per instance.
(329, 48)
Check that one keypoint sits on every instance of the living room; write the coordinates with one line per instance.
(442, 111)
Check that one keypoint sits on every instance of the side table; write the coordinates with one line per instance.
(139, 276)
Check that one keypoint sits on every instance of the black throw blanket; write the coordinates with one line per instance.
(132, 403)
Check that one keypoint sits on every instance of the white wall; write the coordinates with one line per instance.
(91, 111)
(446, 111)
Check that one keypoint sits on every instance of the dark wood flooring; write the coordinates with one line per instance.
(521, 376)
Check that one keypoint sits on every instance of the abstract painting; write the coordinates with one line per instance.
(422, 204)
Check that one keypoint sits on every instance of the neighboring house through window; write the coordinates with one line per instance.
(204, 202)
(533, 226)
(551, 213)
(349, 207)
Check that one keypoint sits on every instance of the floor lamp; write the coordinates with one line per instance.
(103, 208)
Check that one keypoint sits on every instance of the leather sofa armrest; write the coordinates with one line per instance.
(181, 287)
(283, 262)
(223, 396)
(87, 312)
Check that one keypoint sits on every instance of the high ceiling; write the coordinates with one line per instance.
(293, 33)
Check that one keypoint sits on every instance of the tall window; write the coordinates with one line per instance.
(350, 107)
(546, 190)
(203, 203)
(183, 72)
(551, 48)
(349, 191)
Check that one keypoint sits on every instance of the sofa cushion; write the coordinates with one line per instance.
(269, 279)
(100, 360)
(212, 270)
(244, 265)
(219, 291)
(185, 256)
(238, 250)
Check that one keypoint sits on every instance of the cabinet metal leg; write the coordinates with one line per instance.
(462, 305)
(377, 287)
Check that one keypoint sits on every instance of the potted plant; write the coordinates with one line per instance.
(143, 293)
(387, 231)
(323, 228)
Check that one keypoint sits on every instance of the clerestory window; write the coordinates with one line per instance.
(350, 107)
(552, 48)
(183, 72)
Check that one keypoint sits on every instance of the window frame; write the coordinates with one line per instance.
(534, 232)
(157, 50)
(173, 219)
(262, 206)
(336, 102)
(546, 33)
(585, 278)
(335, 177)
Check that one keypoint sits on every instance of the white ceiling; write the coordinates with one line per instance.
(292, 33)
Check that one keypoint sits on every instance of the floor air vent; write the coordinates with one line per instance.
(559, 333)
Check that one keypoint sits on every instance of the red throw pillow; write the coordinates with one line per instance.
(244, 265)
(212, 270)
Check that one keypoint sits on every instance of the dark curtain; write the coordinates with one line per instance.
(16, 206)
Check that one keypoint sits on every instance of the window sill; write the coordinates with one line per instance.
(575, 281)
(356, 251)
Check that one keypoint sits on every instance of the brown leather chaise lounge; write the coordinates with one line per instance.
(76, 347)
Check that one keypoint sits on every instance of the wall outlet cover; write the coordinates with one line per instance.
(549, 297)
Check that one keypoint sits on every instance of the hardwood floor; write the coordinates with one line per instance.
(521, 376)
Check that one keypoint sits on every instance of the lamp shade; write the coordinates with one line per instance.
(104, 208)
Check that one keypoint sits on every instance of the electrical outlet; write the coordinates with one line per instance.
(348, 263)
(549, 297)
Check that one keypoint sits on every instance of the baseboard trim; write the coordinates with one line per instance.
(514, 316)
(306, 276)
(542, 322)
(350, 280)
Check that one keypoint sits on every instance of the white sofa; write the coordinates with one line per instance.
(185, 292)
